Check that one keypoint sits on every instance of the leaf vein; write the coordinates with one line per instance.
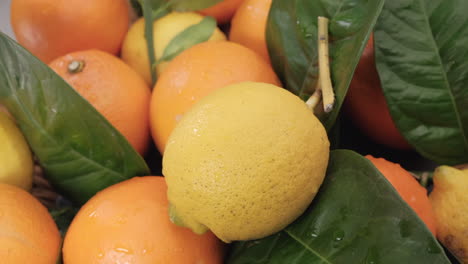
(306, 246)
(452, 97)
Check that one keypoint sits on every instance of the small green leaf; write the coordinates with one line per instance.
(357, 217)
(189, 37)
(81, 153)
(421, 50)
(160, 12)
(292, 43)
(150, 11)
(191, 5)
(63, 217)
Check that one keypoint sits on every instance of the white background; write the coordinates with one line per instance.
(5, 17)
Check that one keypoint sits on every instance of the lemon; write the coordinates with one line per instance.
(16, 163)
(134, 48)
(244, 162)
(449, 200)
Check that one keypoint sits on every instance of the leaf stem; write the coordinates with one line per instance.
(324, 65)
(424, 179)
(76, 66)
(315, 98)
(148, 16)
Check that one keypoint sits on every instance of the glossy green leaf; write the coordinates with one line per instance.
(357, 217)
(421, 49)
(191, 5)
(292, 43)
(189, 37)
(79, 150)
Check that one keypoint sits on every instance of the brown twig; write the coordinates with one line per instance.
(324, 88)
(42, 189)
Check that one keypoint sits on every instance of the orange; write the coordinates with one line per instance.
(51, 28)
(27, 231)
(249, 24)
(195, 73)
(129, 223)
(113, 88)
(366, 104)
(222, 11)
(409, 189)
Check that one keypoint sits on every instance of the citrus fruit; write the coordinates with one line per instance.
(50, 28)
(366, 104)
(135, 51)
(195, 73)
(409, 189)
(222, 11)
(449, 199)
(113, 88)
(129, 223)
(16, 160)
(28, 233)
(249, 24)
(245, 161)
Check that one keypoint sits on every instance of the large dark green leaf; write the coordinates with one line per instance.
(79, 150)
(357, 217)
(421, 51)
(292, 43)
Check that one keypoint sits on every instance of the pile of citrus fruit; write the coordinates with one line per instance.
(242, 158)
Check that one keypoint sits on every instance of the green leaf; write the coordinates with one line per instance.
(357, 217)
(63, 217)
(292, 43)
(189, 37)
(79, 150)
(150, 12)
(191, 5)
(421, 49)
(154, 4)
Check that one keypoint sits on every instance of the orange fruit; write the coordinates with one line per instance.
(366, 104)
(249, 24)
(222, 11)
(50, 28)
(195, 73)
(129, 223)
(27, 231)
(113, 88)
(409, 189)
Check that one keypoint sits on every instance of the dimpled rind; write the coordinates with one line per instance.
(245, 161)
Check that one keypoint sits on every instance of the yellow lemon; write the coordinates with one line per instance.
(134, 49)
(449, 200)
(16, 163)
(244, 162)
